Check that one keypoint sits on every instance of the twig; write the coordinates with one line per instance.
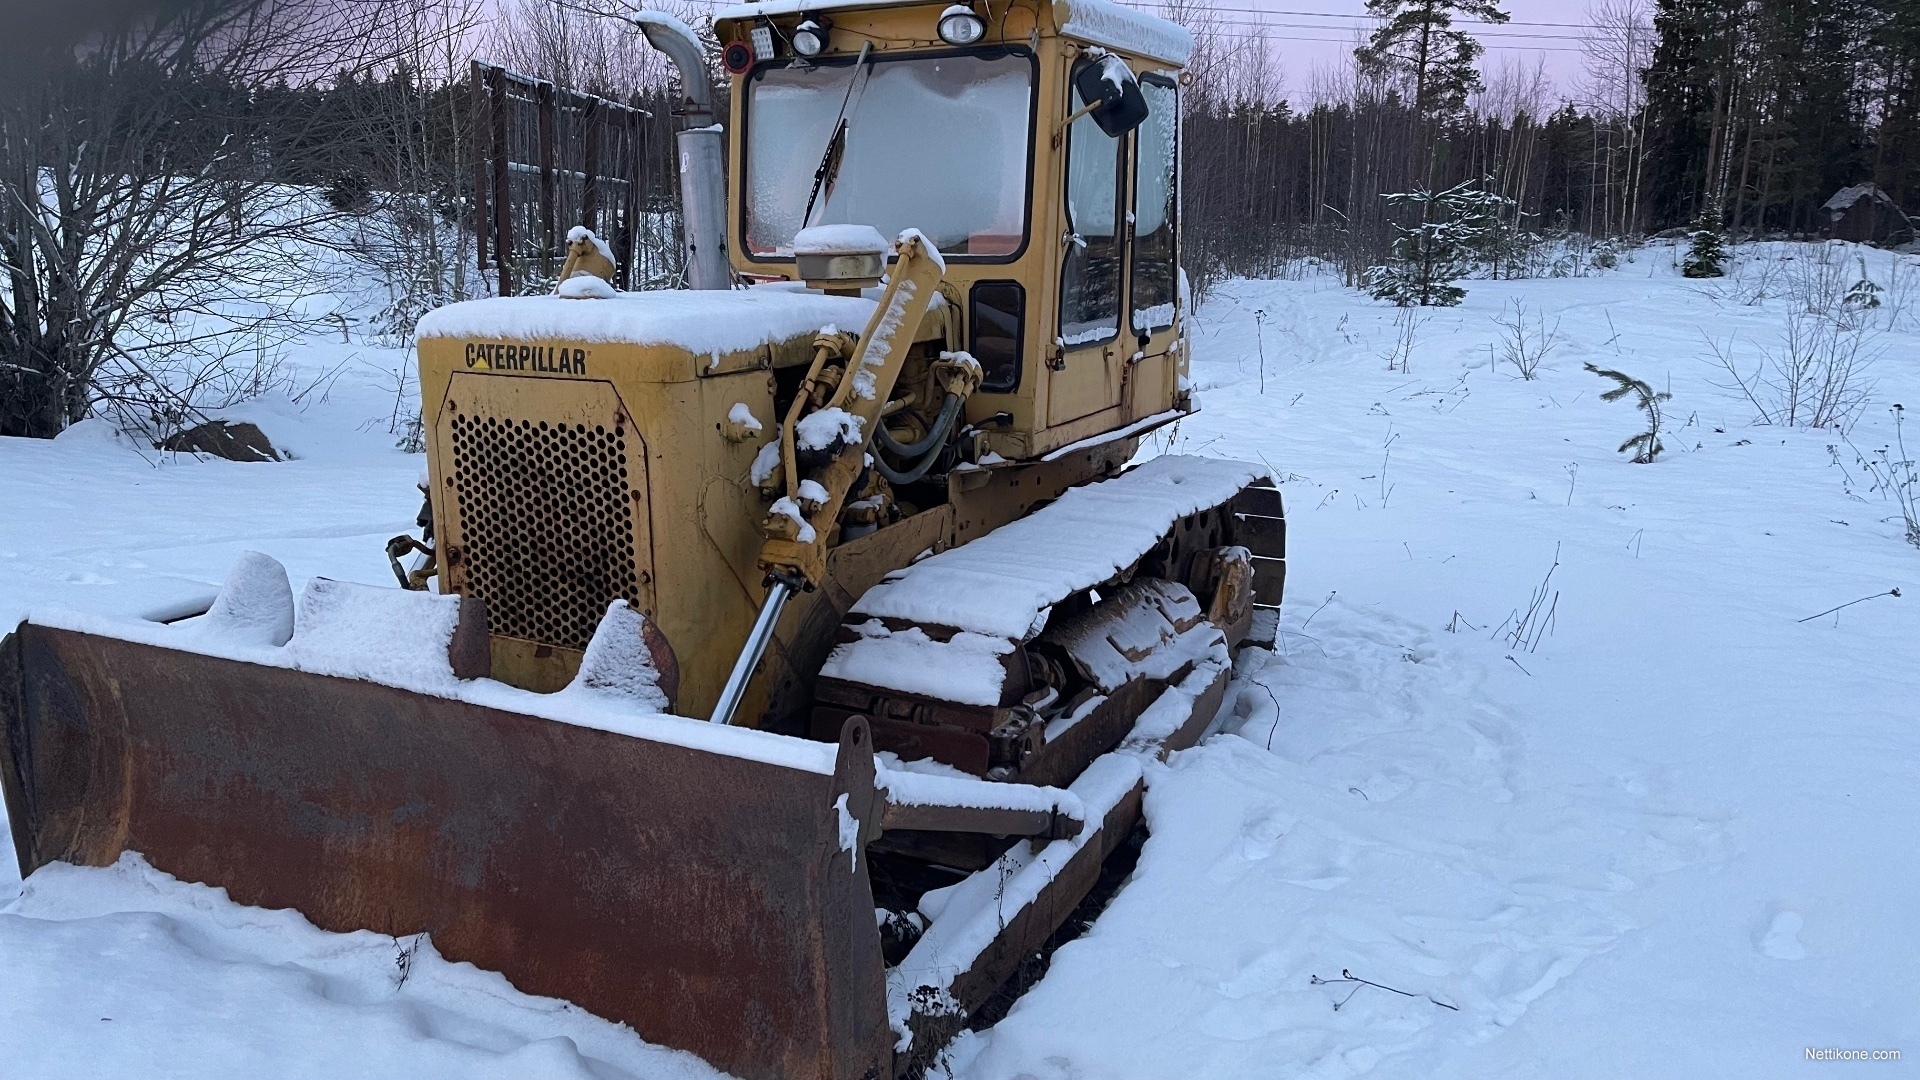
(1347, 976)
(1322, 607)
(1850, 603)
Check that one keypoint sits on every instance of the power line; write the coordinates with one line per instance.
(1213, 8)
(1475, 33)
(1344, 41)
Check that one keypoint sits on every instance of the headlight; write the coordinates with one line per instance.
(810, 38)
(762, 36)
(960, 26)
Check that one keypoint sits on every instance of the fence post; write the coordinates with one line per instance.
(591, 118)
(477, 104)
(548, 110)
(502, 191)
(633, 164)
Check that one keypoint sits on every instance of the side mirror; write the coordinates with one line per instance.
(1114, 94)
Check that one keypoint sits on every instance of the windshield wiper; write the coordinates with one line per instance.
(829, 170)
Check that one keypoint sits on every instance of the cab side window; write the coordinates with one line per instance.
(1090, 276)
(1156, 202)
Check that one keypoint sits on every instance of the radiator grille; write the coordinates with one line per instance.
(546, 517)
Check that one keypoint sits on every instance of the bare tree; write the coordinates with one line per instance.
(1616, 51)
(146, 239)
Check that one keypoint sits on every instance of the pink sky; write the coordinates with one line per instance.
(1554, 47)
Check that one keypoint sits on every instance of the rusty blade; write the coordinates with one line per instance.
(706, 900)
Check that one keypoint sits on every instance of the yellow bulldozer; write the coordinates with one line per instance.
(786, 649)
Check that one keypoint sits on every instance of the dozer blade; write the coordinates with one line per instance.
(705, 898)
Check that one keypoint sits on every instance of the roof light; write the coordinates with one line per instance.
(737, 57)
(810, 37)
(762, 36)
(960, 26)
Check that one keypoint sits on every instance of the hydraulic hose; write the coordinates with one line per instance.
(949, 411)
(929, 448)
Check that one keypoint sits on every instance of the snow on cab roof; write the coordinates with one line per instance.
(1100, 22)
(702, 322)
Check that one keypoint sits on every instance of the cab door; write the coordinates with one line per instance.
(1152, 369)
(1086, 359)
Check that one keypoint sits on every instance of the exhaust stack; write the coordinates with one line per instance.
(703, 179)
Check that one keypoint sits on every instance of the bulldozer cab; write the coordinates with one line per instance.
(1035, 145)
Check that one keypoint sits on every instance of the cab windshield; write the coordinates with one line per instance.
(936, 143)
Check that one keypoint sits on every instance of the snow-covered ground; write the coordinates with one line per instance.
(1672, 835)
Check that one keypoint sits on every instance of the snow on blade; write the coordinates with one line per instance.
(1003, 584)
(849, 832)
(342, 653)
(385, 635)
(618, 662)
(253, 608)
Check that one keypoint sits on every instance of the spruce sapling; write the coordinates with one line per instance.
(1646, 445)
(1707, 255)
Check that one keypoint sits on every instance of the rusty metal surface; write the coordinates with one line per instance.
(703, 899)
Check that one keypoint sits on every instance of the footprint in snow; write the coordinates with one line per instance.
(1782, 939)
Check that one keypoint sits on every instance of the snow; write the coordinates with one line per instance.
(380, 634)
(581, 232)
(811, 491)
(123, 971)
(1148, 318)
(254, 607)
(1603, 852)
(581, 286)
(995, 586)
(849, 832)
(706, 323)
(824, 429)
(787, 508)
(964, 918)
(765, 461)
(740, 414)
(839, 240)
(920, 787)
(1088, 337)
(1103, 22)
(969, 668)
(618, 663)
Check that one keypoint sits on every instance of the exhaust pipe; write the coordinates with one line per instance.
(703, 178)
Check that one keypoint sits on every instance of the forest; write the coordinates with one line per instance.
(194, 137)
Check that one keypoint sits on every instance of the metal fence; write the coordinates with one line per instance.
(550, 159)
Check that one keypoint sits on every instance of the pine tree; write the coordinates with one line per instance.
(1646, 445)
(1707, 254)
(1455, 230)
(1417, 44)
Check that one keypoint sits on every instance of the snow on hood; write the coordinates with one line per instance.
(701, 322)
